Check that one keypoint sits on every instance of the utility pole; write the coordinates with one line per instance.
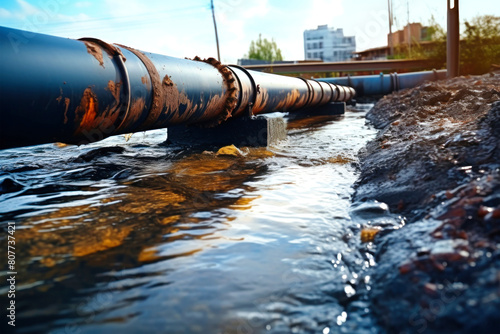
(409, 27)
(452, 39)
(215, 27)
(390, 41)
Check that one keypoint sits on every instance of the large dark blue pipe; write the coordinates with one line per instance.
(80, 91)
(386, 83)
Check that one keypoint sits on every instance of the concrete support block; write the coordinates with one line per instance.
(258, 131)
(329, 109)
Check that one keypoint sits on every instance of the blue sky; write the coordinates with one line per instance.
(185, 28)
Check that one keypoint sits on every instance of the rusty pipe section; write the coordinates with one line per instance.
(56, 89)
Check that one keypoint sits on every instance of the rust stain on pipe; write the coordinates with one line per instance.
(172, 98)
(137, 108)
(289, 101)
(114, 88)
(302, 101)
(215, 107)
(261, 100)
(95, 51)
(167, 81)
(88, 118)
(66, 104)
(86, 112)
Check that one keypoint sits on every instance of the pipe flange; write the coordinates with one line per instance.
(231, 94)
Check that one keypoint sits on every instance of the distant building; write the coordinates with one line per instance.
(328, 44)
(411, 35)
(379, 53)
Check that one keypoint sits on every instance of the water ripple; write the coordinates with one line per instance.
(128, 236)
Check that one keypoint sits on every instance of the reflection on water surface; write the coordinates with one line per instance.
(135, 236)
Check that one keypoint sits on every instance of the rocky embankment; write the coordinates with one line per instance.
(436, 161)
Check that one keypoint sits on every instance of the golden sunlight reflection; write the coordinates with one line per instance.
(165, 201)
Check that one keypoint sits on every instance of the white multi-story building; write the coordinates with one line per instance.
(328, 44)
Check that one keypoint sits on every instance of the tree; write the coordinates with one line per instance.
(263, 49)
(437, 54)
(480, 46)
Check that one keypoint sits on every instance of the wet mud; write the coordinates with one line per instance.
(436, 162)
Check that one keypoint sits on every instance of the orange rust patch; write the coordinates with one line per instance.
(90, 104)
(114, 88)
(214, 106)
(167, 81)
(145, 79)
(137, 106)
(136, 109)
(289, 101)
(86, 116)
(302, 101)
(60, 96)
(172, 99)
(261, 100)
(66, 104)
(167, 98)
(95, 51)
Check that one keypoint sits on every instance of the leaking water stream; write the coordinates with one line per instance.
(141, 237)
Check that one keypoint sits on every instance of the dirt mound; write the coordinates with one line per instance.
(436, 160)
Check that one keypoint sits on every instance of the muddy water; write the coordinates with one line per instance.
(140, 237)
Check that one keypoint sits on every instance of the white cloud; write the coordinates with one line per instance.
(117, 8)
(322, 12)
(83, 4)
(26, 8)
(259, 8)
(4, 13)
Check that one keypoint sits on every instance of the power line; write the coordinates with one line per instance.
(135, 17)
(119, 22)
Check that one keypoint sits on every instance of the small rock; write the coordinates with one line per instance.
(230, 150)
(368, 234)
